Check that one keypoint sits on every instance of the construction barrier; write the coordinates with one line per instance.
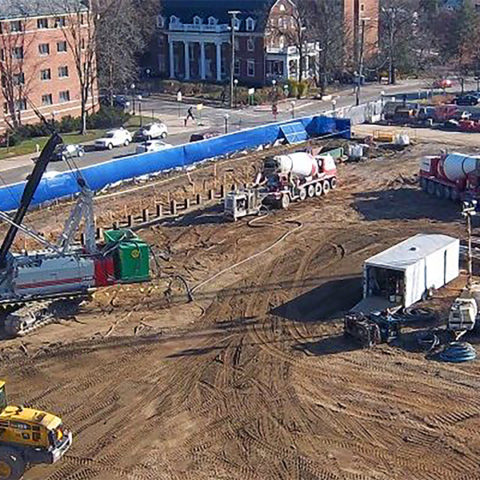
(126, 168)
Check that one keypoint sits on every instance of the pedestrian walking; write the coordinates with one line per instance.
(189, 115)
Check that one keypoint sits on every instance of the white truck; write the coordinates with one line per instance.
(284, 179)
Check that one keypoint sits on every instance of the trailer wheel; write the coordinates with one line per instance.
(326, 187)
(318, 189)
(439, 191)
(12, 465)
(311, 191)
(302, 194)
(285, 201)
(431, 187)
(333, 183)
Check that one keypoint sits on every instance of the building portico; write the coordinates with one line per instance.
(199, 56)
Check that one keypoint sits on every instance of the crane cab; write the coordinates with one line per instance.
(28, 435)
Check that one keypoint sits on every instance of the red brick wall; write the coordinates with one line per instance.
(280, 23)
(32, 65)
(257, 56)
(354, 11)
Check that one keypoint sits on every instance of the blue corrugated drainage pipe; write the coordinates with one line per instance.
(457, 352)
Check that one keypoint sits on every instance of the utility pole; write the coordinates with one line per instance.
(360, 61)
(233, 14)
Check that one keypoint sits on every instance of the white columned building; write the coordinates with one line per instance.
(206, 38)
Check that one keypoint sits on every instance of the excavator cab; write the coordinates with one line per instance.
(28, 436)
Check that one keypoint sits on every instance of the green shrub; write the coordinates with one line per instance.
(107, 117)
(302, 88)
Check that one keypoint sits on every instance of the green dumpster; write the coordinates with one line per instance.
(132, 255)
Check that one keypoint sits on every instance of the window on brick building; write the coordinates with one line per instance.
(63, 71)
(21, 104)
(17, 53)
(60, 22)
(160, 21)
(44, 49)
(2, 54)
(250, 24)
(62, 46)
(18, 78)
(236, 67)
(16, 26)
(47, 99)
(42, 23)
(5, 107)
(64, 96)
(251, 68)
(45, 74)
(250, 44)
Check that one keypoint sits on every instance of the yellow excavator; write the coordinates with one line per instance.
(28, 436)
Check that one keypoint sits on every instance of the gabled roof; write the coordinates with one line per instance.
(185, 10)
(19, 9)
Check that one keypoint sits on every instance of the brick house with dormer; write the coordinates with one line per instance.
(194, 39)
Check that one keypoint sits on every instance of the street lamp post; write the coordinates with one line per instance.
(274, 98)
(235, 83)
(292, 103)
(226, 117)
(233, 14)
(334, 106)
(132, 86)
(360, 60)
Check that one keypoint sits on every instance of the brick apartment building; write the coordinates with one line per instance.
(37, 60)
(195, 36)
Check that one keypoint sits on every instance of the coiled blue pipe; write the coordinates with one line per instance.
(457, 352)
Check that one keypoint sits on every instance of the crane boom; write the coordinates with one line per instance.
(28, 193)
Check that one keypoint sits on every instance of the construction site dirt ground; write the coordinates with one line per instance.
(254, 378)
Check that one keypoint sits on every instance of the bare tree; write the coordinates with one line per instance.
(124, 30)
(16, 49)
(327, 30)
(291, 30)
(78, 23)
(398, 33)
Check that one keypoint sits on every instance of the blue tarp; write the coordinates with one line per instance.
(113, 171)
(294, 132)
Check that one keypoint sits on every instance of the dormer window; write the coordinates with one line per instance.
(237, 22)
(197, 20)
(250, 24)
(174, 20)
(160, 21)
(212, 21)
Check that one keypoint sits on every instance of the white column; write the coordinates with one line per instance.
(219, 61)
(203, 74)
(172, 60)
(187, 60)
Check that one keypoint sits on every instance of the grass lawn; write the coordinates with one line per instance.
(30, 146)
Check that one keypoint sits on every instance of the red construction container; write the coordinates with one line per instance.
(104, 271)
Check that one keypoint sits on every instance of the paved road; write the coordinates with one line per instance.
(214, 118)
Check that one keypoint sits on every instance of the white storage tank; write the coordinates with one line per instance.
(457, 166)
(404, 273)
(298, 163)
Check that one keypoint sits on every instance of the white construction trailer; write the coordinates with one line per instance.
(403, 274)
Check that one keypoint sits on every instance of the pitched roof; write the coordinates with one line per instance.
(187, 9)
(18, 9)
